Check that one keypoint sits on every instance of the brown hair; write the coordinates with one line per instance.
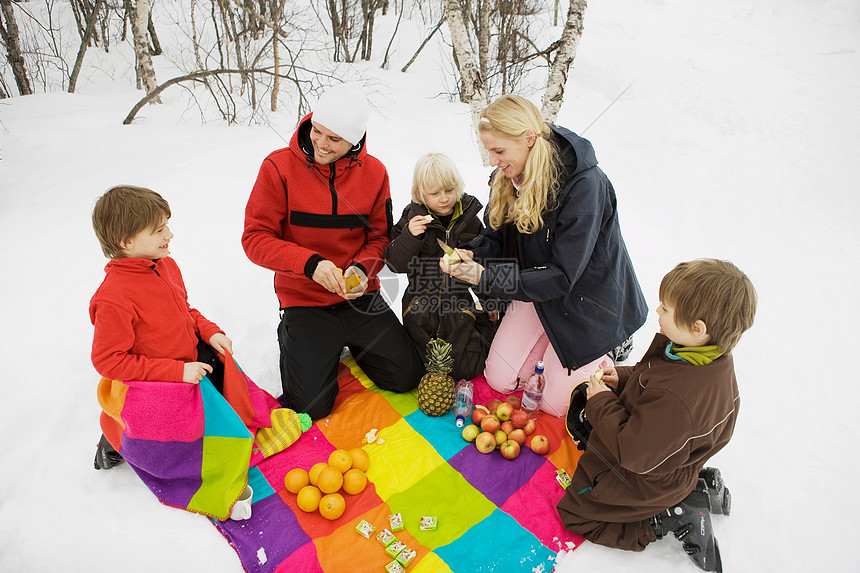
(124, 211)
(514, 117)
(715, 292)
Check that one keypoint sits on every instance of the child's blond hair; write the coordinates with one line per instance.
(715, 292)
(435, 171)
(124, 211)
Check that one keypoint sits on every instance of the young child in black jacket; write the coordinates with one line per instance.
(436, 305)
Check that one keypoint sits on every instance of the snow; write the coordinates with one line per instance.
(736, 139)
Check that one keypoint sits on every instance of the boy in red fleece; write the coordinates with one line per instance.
(144, 327)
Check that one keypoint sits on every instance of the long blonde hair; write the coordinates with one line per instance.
(515, 117)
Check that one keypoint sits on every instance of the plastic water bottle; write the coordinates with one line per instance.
(462, 408)
(533, 391)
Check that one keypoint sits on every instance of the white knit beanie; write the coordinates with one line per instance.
(343, 110)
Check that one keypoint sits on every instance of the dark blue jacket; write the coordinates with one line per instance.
(575, 269)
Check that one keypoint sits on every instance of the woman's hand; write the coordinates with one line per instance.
(466, 270)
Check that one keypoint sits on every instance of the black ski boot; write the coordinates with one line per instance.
(721, 497)
(690, 522)
(106, 456)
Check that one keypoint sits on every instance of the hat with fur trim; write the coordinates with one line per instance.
(343, 110)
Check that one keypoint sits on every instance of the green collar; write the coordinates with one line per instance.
(697, 356)
(458, 211)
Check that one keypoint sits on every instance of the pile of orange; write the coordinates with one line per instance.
(320, 487)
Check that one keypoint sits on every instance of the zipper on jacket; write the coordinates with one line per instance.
(597, 304)
(332, 191)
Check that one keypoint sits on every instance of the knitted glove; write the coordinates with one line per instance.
(287, 428)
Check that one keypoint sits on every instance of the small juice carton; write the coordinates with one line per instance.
(406, 556)
(396, 522)
(365, 528)
(394, 567)
(385, 537)
(562, 478)
(428, 523)
(394, 549)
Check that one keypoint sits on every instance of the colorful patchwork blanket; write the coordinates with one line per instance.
(492, 514)
(189, 444)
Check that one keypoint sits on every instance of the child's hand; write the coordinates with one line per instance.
(596, 385)
(194, 372)
(221, 343)
(418, 224)
(610, 376)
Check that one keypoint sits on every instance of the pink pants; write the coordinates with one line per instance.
(519, 343)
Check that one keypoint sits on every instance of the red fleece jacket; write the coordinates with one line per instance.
(301, 212)
(144, 326)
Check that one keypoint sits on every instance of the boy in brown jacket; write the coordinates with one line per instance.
(651, 436)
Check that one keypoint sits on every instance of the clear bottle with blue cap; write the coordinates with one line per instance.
(463, 395)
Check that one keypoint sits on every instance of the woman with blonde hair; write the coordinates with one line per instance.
(553, 246)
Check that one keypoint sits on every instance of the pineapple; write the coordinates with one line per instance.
(436, 388)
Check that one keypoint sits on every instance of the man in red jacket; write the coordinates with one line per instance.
(319, 215)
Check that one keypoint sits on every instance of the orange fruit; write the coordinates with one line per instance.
(354, 481)
(332, 506)
(296, 479)
(309, 498)
(341, 459)
(330, 480)
(314, 472)
(360, 459)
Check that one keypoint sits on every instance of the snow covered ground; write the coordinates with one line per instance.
(738, 139)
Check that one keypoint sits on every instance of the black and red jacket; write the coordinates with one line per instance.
(301, 212)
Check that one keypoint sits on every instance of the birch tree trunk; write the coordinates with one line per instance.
(472, 88)
(554, 95)
(139, 28)
(9, 32)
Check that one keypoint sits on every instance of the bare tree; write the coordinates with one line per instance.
(9, 34)
(472, 88)
(85, 42)
(566, 52)
(138, 13)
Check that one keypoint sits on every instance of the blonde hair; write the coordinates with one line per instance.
(515, 117)
(435, 171)
(124, 211)
(715, 292)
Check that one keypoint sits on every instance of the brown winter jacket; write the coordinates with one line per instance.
(649, 443)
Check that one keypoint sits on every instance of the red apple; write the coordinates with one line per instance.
(530, 427)
(519, 419)
(493, 405)
(501, 437)
(519, 436)
(510, 449)
(514, 401)
(539, 444)
(471, 432)
(504, 411)
(490, 423)
(478, 414)
(485, 442)
(507, 427)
